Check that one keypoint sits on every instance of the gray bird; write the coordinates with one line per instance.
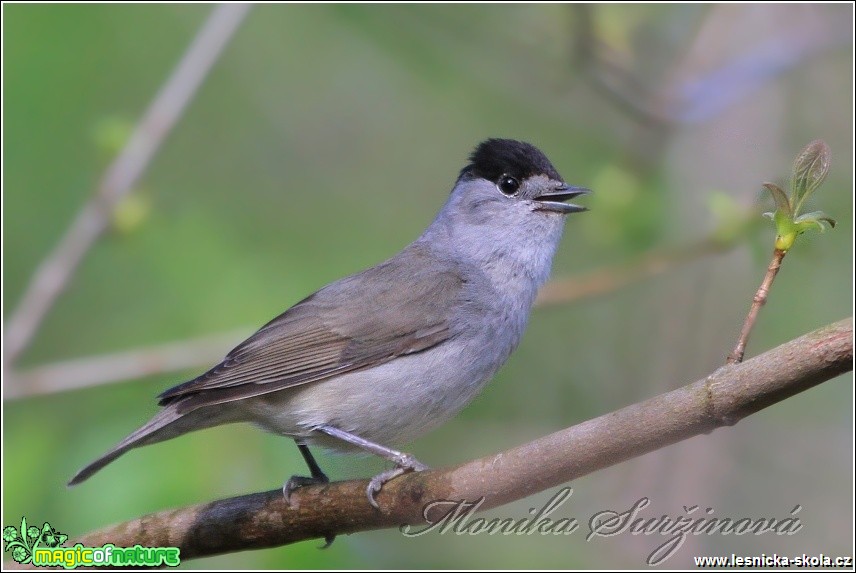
(383, 356)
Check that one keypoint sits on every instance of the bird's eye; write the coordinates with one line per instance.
(508, 185)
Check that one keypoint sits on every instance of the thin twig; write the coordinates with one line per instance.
(758, 301)
(54, 273)
(721, 399)
(129, 365)
(609, 279)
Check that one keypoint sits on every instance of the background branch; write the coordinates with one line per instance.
(54, 273)
(609, 279)
(721, 399)
(119, 366)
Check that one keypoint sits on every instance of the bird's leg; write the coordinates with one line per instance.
(403, 462)
(295, 482)
(314, 468)
(317, 477)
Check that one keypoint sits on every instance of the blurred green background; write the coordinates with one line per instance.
(327, 137)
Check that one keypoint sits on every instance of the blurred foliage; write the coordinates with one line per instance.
(326, 138)
(110, 134)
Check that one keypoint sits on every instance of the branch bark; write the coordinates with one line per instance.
(759, 300)
(721, 399)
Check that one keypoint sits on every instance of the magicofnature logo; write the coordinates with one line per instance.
(45, 548)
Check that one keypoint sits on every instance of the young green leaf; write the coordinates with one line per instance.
(782, 203)
(816, 219)
(810, 169)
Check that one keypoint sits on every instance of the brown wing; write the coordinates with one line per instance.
(358, 322)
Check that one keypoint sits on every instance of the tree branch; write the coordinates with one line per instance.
(759, 300)
(722, 399)
(54, 273)
(133, 364)
(609, 279)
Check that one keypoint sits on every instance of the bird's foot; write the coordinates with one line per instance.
(403, 464)
(296, 482)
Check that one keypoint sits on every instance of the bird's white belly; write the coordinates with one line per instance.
(389, 404)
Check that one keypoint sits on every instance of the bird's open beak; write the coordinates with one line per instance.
(553, 200)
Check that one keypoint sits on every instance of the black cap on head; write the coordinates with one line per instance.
(496, 157)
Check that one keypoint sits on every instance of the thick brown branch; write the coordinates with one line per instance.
(726, 396)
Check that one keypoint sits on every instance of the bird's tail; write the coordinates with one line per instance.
(166, 424)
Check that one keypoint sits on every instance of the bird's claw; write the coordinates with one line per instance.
(296, 482)
(405, 463)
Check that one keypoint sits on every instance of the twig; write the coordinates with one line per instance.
(758, 301)
(722, 399)
(54, 273)
(607, 280)
(130, 365)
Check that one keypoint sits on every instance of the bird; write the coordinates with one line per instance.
(381, 357)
